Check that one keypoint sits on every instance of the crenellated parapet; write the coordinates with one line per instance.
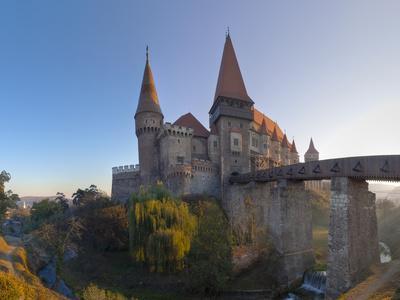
(180, 170)
(126, 169)
(176, 130)
(201, 165)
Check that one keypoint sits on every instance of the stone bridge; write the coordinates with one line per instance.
(276, 200)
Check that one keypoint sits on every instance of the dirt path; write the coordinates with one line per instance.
(7, 259)
(383, 276)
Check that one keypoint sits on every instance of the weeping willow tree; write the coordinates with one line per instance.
(160, 229)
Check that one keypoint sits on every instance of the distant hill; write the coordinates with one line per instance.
(381, 190)
(394, 195)
(29, 200)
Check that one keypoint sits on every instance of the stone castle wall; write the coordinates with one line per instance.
(280, 212)
(124, 184)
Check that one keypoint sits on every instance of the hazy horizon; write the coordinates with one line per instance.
(71, 74)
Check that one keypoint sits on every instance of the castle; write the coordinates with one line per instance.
(190, 159)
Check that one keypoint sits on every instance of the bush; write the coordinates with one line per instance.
(44, 211)
(92, 292)
(210, 258)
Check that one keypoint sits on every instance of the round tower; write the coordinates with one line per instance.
(148, 123)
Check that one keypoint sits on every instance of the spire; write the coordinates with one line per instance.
(263, 127)
(275, 134)
(230, 81)
(148, 99)
(293, 149)
(311, 148)
(285, 142)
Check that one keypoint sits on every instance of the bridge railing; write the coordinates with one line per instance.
(380, 168)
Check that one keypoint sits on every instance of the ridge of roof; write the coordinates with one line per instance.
(188, 120)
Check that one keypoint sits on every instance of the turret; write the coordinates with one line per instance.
(148, 123)
(275, 147)
(294, 154)
(312, 154)
(265, 139)
(285, 151)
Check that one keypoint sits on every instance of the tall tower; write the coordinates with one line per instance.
(148, 123)
(312, 154)
(231, 114)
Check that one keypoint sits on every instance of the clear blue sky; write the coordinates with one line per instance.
(70, 74)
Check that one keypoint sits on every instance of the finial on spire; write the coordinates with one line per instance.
(227, 32)
(147, 52)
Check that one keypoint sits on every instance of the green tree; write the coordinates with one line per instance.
(160, 229)
(7, 199)
(62, 201)
(210, 257)
(44, 210)
(4, 177)
(82, 197)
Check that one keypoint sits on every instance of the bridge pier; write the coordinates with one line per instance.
(353, 239)
(290, 228)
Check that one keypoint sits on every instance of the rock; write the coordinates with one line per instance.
(48, 274)
(12, 227)
(63, 289)
(38, 257)
(69, 254)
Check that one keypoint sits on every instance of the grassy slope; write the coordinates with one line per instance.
(320, 245)
(16, 281)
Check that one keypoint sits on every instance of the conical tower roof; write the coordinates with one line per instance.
(263, 128)
(230, 81)
(285, 142)
(275, 134)
(148, 99)
(293, 149)
(311, 148)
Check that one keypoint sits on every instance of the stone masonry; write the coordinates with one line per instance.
(191, 159)
(280, 211)
(353, 238)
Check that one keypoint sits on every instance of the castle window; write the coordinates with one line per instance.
(180, 159)
(254, 142)
(241, 125)
(215, 144)
(194, 148)
(236, 142)
(179, 141)
(229, 124)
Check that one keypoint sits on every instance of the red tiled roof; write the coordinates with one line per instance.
(230, 81)
(259, 118)
(148, 99)
(188, 120)
(285, 142)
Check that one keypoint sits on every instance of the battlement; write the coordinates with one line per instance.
(126, 169)
(180, 170)
(171, 129)
(202, 165)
